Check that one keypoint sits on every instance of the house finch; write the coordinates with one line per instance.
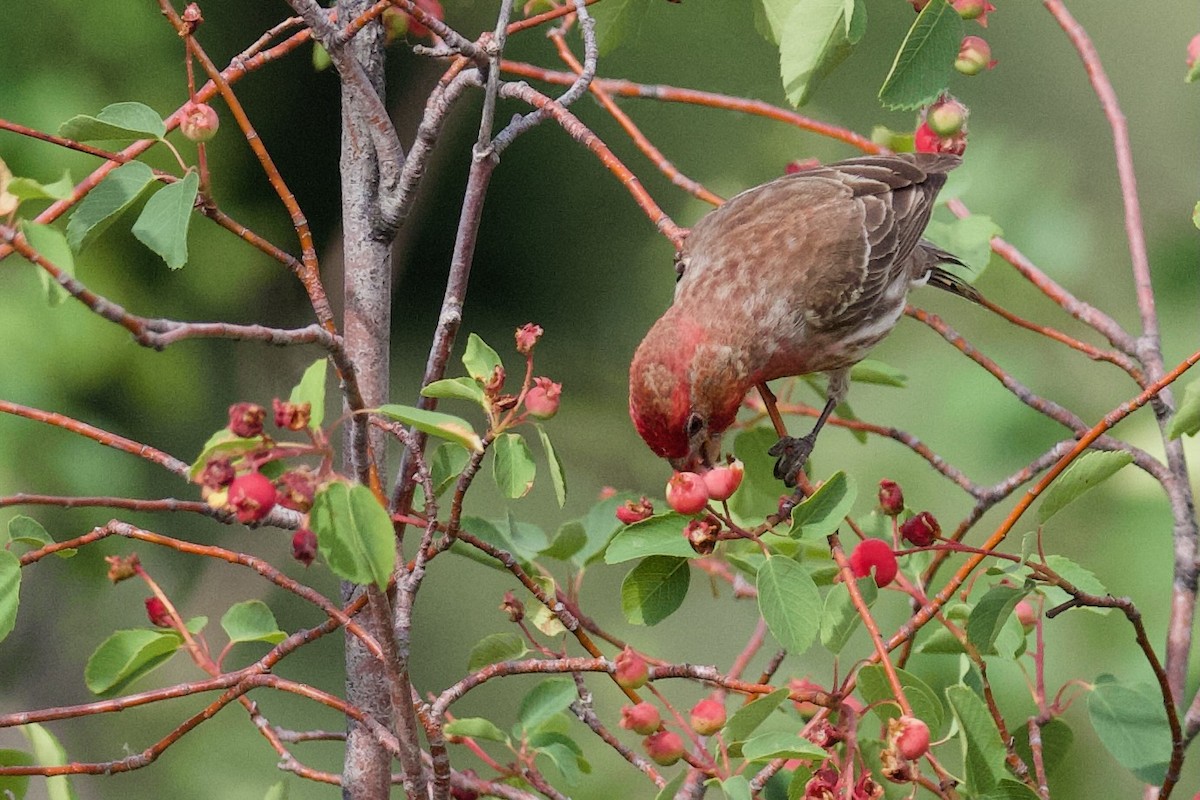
(802, 274)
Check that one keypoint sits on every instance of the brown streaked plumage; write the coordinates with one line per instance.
(802, 274)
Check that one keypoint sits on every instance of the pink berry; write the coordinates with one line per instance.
(199, 121)
(947, 117)
(921, 530)
(527, 336)
(631, 671)
(664, 747)
(974, 56)
(635, 511)
(252, 496)
(156, 610)
(686, 493)
(911, 736)
(304, 546)
(891, 499)
(246, 419)
(722, 482)
(874, 554)
(707, 716)
(925, 140)
(1193, 50)
(542, 400)
(974, 9)
(1026, 614)
(642, 718)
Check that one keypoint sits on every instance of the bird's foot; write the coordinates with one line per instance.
(793, 454)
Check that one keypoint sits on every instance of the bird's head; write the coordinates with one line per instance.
(684, 391)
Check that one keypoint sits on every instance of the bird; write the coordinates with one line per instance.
(802, 274)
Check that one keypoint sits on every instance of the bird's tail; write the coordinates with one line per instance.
(929, 256)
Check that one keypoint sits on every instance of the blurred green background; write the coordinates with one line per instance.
(562, 244)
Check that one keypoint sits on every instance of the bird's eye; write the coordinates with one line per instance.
(680, 265)
(695, 424)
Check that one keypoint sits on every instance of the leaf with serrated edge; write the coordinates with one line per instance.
(28, 530)
(106, 202)
(10, 591)
(251, 621)
(52, 246)
(29, 189)
(879, 373)
(789, 602)
(514, 467)
(616, 22)
(475, 728)
(780, 744)
(840, 618)
(456, 389)
(222, 443)
(984, 759)
(163, 224)
(126, 656)
(495, 648)
(548, 698)
(557, 476)
(354, 533)
(1187, 416)
(877, 691)
(119, 122)
(655, 589)
(435, 423)
(1085, 472)
(660, 535)
(480, 359)
(813, 41)
(823, 511)
(446, 464)
(746, 719)
(311, 389)
(1132, 723)
(925, 60)
(989, 615)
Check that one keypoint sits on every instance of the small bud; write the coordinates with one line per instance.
(246, 419)
(664, 747)
(874, 554)
(252, 496)
(631, 671)
(910, 737)
(606, 492)
(974, 9)
(921, 530)
(156, 610)
(686, 493)
(707, 716)
(891, 499)
(291, 416)
(122, 567)
(642, 718)
(296, 489)
(974, 56)
(635, 511)
(199, 121)
(947, 117)
(527, 336)
(513, 607)
(217, 474)
(722, 482)
(304, 546)
(1026, 614)
(702, 534)
(542, 400)
(192, 17)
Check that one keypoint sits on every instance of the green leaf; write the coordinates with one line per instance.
(775, 14)
(475, 728)
(29, 189)
(1193, 72)
(548, 698)
(252, 621)
(746, 719)
(311, 390)
(1132, 723)
(989, 616)
(925, 60)
(567, 542)
(126, 656)
(1085, 472)
(27, 530)
(513, 467)
(446, 464)
(17, 785)
(655, 589)
(877, 372)
(840, 618)
(875, 689)
(617, 21)
(557, 477)
(789, 602)
(10, 591)
(435, 423)
(736, 787)
(354, 533)
(759, 493)
(599, 525)
(106, 202)
(119, 122)
(456, 389)
(495, 648)
(225, 444)
(52, 246)
(1056, 742)
(278, 791)
(1187, 416)
(822, 512)
(660, 535)
(1080, 577)
(813, 41)
(1196, 208)
(479, 359)
(163, 224)
(780, 744)
(672, 788)
(1009, 789)
(969, 238)
(49, 751)
(984, 759)
(564, 753)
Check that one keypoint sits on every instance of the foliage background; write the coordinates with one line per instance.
(563, 245)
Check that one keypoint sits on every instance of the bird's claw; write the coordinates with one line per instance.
(792, 453)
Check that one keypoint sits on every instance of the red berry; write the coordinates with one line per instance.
(921, 530)
(631, 671)
(664, 747)
(874, 554)
(542, 400)
(304, 546)
(686, 493)
(246, 419)
(708, 716)
(722, 482)
(527, 336)
(974, 56)
(156, 610)
(891, 499)
(198, 121)
(252, 496)
(1026, 614)
(925, 140)
(635, 511)
(911, 737)
(642, 718)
